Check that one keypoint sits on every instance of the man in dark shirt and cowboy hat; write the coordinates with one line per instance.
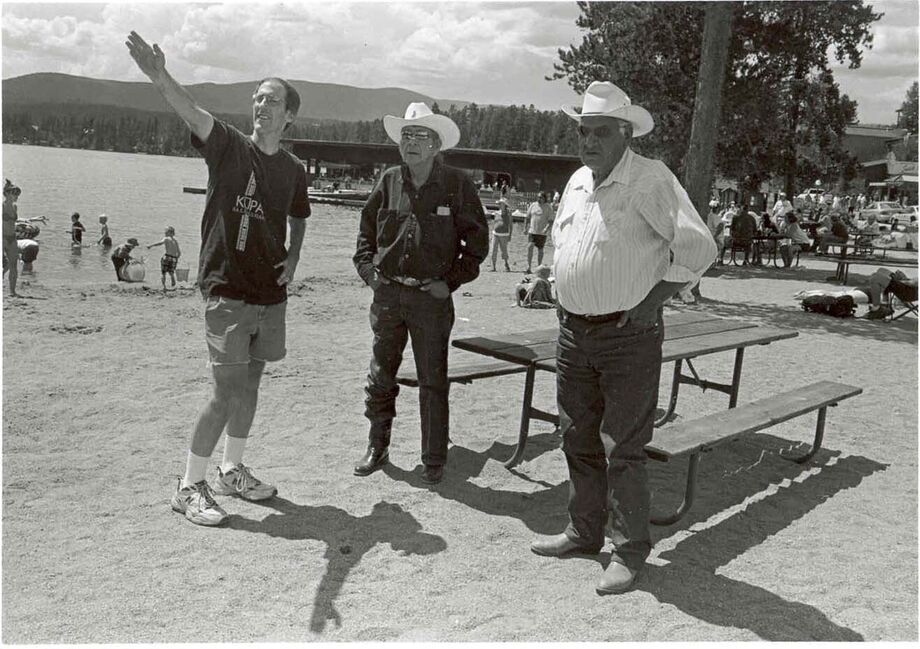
(626, 239)
(423, 233)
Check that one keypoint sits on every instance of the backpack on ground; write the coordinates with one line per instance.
(841, 306)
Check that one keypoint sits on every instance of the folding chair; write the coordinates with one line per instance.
(906, 293)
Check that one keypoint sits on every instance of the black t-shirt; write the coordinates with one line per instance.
(244, 226)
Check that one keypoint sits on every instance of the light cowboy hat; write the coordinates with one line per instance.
(418, 114)
(604, 99)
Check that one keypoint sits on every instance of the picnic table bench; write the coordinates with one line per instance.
(687, 335)
(844, 262)
(694, 437)
(462, 371)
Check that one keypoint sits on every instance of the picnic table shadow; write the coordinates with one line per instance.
(347, 537)
(689, 579)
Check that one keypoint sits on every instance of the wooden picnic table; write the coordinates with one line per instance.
(687, 335)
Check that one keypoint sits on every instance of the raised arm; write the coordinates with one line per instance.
(152, 62)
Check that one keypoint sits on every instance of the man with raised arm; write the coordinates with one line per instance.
(255, 190)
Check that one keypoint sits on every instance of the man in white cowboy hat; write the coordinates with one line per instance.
(422, 234)
(627, 238)
(256, 191)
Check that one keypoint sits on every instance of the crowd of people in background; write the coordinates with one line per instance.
(803, 224)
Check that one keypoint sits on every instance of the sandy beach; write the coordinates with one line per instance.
(101, 387)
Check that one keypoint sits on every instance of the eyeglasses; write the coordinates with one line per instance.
(600, 132)
(416, 135)
(271, 100)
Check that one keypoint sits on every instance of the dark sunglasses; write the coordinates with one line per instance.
(600, 132)
(415, 135)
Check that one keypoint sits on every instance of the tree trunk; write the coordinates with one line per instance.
(707, 109)
(791, 145)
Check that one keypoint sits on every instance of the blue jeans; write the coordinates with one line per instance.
(397, 313)
(607, 391)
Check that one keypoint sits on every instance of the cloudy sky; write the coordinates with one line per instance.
(484, 52)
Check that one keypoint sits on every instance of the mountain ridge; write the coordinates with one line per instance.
(319, 100)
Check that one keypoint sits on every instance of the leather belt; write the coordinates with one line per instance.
(593, 319)
(406, 281)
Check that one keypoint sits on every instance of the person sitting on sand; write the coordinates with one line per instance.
(171, 257)
(122, 255)
(536, 293)
(104, 239)
(76, 229)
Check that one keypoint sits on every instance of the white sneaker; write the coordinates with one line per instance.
(197, 503)
(687, 296)
(239, 481)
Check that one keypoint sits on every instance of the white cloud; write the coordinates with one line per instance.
(888, 69)
(475, 51)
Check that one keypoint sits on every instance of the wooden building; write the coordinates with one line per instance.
(527, 172)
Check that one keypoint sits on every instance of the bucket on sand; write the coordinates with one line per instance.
(182, 274)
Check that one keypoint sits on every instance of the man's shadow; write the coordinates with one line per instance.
(347, 537)
(529, 507)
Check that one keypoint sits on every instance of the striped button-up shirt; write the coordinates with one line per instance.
(616, 241)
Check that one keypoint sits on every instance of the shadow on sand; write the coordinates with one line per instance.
(778, 492)
(347, 537)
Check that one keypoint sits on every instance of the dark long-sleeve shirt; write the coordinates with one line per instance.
(437, 231)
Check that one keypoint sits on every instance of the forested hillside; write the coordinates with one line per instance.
(510, 128)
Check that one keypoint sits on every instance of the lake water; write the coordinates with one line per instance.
(140, 194)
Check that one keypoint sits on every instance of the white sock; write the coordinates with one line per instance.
(195, 469)
(233, 452)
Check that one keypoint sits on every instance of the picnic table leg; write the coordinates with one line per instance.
(672, 403)
(688, 495)
(525, 417)
(819, 437)
(736, 378)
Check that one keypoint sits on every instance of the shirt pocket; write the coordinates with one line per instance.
(562, 227)
(610, 224)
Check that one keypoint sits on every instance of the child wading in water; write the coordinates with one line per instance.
(171, 257)
(76, 230)
(104, 239)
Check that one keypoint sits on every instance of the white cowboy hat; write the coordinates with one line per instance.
(418, 114)
(603, 99)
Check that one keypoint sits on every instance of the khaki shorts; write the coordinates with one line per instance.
(238, 332)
